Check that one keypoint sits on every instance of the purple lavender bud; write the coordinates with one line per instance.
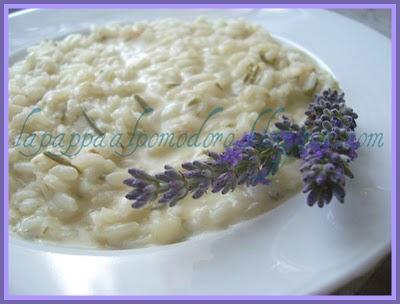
(339, 192)
(188, 166)
(320, 179)
(213, 155)
(197, 194)
(313, 196)
(326, 196)
(149, 189)
(139, 174)
(129, 182)
(162, 177)
(172, 174)
(327, 125)
(132, 195)
(220, 182)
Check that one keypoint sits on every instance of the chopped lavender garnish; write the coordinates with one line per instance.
(326, 143)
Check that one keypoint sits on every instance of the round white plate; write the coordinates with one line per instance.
(294, 249)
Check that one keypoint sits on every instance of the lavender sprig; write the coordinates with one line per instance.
(249, 161)
(326, 143)
(331, 146)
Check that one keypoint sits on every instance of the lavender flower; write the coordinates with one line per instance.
(249, 161)
(331, 146)
(326, 143)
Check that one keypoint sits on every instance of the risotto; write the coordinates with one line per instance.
(66, 93)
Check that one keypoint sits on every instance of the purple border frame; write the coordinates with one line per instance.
(182, 4)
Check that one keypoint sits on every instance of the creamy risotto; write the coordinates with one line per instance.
(99, 83)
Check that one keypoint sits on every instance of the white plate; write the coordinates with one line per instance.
(294, 249)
